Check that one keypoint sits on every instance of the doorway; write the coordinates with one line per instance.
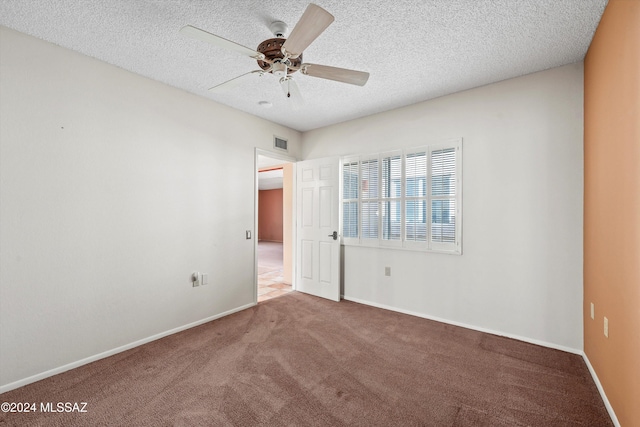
(274, 226)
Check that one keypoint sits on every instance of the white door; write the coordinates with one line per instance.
(318, 246)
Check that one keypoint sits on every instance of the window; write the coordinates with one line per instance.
(409, 199)
(350, 199)
(391, 197)
(370, 207)
(416, 196)
(443, 196)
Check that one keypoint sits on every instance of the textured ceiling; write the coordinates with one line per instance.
(415, 50)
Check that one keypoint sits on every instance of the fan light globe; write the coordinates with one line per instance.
(279, 69)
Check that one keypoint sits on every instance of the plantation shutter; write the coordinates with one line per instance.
(409, 199)
(369, 182)
(391, 198)
(350, 182)
(444, 198)
(416, 196)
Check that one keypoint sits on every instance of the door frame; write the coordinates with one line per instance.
(285, 158)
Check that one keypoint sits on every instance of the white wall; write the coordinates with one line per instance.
(521, 269)
(114, 189)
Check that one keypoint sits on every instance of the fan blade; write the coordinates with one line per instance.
(199, 34)
(313, 22)
(334, 73)
(292, 92)
(230, 84)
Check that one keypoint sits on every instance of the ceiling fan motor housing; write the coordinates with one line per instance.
(272, 50)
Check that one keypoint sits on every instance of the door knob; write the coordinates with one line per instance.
(334, 235)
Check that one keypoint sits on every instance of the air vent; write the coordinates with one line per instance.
(279, 143)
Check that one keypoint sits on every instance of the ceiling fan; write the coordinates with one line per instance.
(283, 56)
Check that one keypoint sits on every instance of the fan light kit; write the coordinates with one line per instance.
(283, 56)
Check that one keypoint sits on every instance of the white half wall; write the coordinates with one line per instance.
(520, 273)
(113, 190)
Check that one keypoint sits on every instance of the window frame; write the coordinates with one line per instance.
(425, 246)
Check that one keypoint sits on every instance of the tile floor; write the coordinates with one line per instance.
(270, 275)
(270, 285)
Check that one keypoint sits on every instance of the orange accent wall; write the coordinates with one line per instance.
(270, 215)
(612, 206)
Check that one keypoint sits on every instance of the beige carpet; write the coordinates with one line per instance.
(299, 360)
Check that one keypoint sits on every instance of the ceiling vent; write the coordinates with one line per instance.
(279, 143)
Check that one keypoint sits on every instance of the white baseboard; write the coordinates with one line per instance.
(612, 414)
(464, 325)
(69, 366)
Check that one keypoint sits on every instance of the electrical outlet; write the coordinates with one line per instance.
(195, 279)
(387, 271)
(593, 311)
(606, 327)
